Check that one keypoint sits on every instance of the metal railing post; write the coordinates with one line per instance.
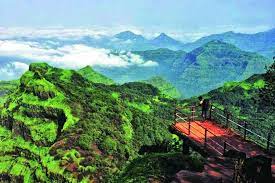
(224, 147)
(205, 137)
(193, 113)
(245, 130)
(227, 119)
(175, 116)
(210, 112)
(189, 127)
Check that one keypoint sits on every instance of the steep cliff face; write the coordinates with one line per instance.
(37, 110)
(59, 126)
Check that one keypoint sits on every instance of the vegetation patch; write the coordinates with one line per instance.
(160, 167)
(143, 107)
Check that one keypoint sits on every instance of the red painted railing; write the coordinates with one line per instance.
(224, 118)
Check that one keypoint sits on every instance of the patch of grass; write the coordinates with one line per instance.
(259, 84)
(115, 95)
(140, 106)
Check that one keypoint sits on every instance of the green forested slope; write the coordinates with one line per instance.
(210, 66)
(93, 76)
(164, 86)
(59, 127)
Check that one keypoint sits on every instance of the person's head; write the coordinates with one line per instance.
(200, 97)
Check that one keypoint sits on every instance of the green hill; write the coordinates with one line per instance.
(213, 64)
(164, 86)
(93, 76)
(58, 126)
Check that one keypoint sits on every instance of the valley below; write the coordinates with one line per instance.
(108, 116)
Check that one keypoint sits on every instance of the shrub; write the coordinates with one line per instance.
(109, 145)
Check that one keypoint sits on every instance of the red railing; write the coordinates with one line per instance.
(228, 123)
(208, 142)
(242, 128)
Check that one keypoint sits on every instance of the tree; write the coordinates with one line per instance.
(267, 94)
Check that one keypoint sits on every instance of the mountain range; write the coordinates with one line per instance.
(196, 72)
(193, 68)
(262, 42)
(133, 42)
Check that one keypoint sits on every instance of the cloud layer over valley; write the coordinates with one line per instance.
(73, 56)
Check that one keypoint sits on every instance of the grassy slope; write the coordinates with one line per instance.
(58, 125)
(164, 86)
(93, 76)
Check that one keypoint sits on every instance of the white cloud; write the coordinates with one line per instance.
(12, 70)
(64, 33)
(74, 33)
(70, 56)
(23, 49)
(76, 56)
(149, 63)
(19, 66)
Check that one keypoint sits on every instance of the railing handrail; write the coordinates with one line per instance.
(242, 126)
(207, 131)
(227, 114)
(199, 137)
(215, 136)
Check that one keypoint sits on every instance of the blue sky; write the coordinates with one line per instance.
(184, 15)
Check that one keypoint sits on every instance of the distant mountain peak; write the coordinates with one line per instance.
(163, 36)
(165, 39)
(215, 42)
(128, 35)
(229, 32)
(214, 46)
(219, 43)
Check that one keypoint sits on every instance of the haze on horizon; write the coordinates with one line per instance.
(64, 24)
(179, 18)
